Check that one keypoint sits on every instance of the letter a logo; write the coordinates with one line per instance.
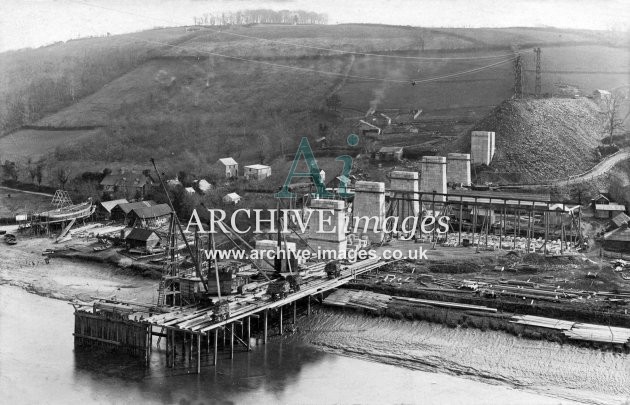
(305, 150)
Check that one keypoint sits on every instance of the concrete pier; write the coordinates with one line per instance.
(482, 147)
(332, 234)
(404, 186)
(433, 178)
(458, 168)
(369, 201)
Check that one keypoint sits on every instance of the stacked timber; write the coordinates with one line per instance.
(598, 333)
(542, 322)
(358, 299)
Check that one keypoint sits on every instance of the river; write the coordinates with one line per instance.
(38, 364)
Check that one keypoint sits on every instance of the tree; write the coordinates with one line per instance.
(63, 175)
(39, 172)
(612, 111)
(32, 169)
(10, 170)
(333, 102)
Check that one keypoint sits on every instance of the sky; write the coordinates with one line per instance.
(33, 23)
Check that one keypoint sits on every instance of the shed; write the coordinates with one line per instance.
(232, 198)
(608, 210)
(618, 240)
(257, 172)
(619, 220)
(153, 216)
(104, 208)
(390, 153)
(143, 239)
(229, 167)
(121, 211)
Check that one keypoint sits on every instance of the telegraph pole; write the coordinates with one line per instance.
(537, 88)
(518, 78)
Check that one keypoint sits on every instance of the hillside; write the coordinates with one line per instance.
(541, 139)
(116, 101)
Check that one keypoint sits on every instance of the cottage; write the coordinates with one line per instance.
(104, 208)
(121, 211)
(600, 199)
(257, 172)
(618, 240)
(131, 184)
(145, 239)
(232, 198)
(390, 153)
(618, 220)
(229, 167)
(608, 210)
(150, 217)
(601, 95)
(189, 190)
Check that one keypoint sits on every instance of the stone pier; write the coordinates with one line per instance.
(369, 201)
(405, 196)
(458, 168)
(326, 230)
(482, 147)
(433, 178)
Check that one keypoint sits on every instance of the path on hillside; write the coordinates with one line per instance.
(599, 169)
(25, 191)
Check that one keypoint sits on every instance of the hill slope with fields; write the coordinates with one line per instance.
(541, 139)
(119, 100)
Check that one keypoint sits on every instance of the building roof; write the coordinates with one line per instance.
(610, 207)
(228, 161)
(362, 122)
(621, 234)
(140, 234)
(109, 205)
(203, 185)
(258, 167)
(232, 197)
(601, 195)
(620, 219)
(125, 180)
(154, 211)
(390, 149)
(128, 207)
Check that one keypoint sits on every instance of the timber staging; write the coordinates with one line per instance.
(130, 327)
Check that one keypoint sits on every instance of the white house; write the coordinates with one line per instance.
(232, 198)
(229, 167)
(257, 172)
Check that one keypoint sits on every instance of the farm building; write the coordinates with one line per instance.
(618, 240)
(131, 184)
(104, 208)
(618, 220)
(140, 238)
(150, 217)
(121, 211)
(229, 167)
(257, 172)
(390, 153)
(608, 210)
(232, 198)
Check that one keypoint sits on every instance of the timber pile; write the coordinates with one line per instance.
(598, 333)
(444, 304)
(542, 322)
(358, 299)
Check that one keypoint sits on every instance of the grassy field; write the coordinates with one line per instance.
(21, 203)
(166, 99)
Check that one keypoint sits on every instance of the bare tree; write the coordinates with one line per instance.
(63, 175)
(613, 106)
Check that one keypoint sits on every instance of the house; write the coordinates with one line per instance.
(128, 183)
(232, 198)
(173, 183)
(608, 210)
(145, 239)
(203, 186)
(617, 240)
(104, 208)
(189, 190)
(390, 153)
(121, 211)
(618, 220)
(229, 167)
(601, 198)
(150, 217)
(257, 172)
